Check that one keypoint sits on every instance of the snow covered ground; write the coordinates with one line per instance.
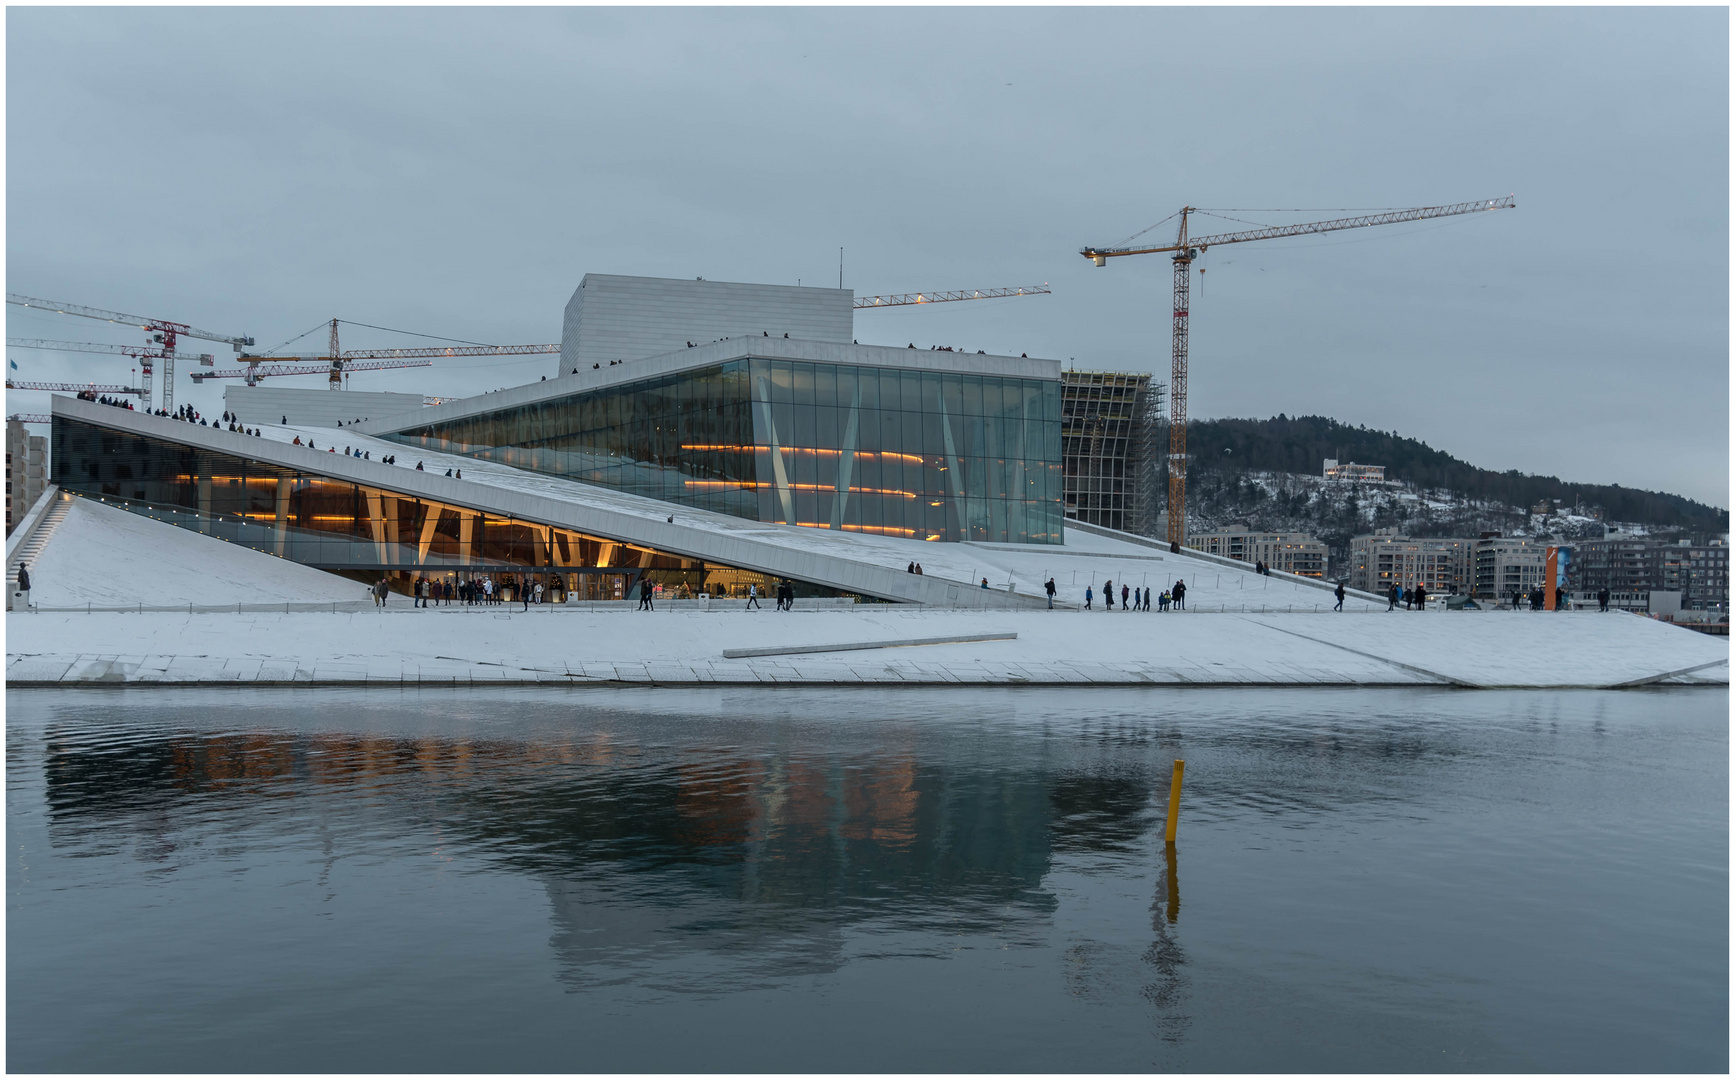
(506, 644)
(107, 557)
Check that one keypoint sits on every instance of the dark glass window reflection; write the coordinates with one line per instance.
(928, 455)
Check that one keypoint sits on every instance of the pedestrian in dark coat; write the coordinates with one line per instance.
(645, 595)
(1179, 595)
(1392, 597)
(1048, 588)
(1108, 595)
(1339, 606)
(1124, 591)
(1602, 598)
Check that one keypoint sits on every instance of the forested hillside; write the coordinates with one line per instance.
(1299, 444)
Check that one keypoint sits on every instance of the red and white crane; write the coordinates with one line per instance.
(1182, 253)
(164, 335)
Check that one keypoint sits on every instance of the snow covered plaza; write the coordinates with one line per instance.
(911, 503)
(120, 598)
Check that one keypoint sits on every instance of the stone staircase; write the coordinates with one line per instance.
(26, 552)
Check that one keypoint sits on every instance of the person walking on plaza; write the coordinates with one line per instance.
(1421, 597)
(24, 582)
(645, 595)
(1125, 592)
(1087, 598)
(380, 590)
(1339, 606)
(1179, 595)
(1048, 588)
(1163, 601)
(1601, 596)
(753, 596)
(1392, 597)
(1108, 595)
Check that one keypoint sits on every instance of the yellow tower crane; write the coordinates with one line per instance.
(1186, 249)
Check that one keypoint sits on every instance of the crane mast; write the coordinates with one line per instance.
(1185, 249)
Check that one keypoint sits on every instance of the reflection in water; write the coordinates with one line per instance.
(661, 863)
(1165, 955)
(965, 881)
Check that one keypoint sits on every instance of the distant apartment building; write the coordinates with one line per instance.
(26, 471)
(1384, 558)
(1642, 564)
(1507, 565)
(1349, 470)
(1111, 427)
(1291, 553)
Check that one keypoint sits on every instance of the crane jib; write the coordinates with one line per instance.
(1190, 247)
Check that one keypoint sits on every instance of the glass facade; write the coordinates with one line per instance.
(362, 530)
(924, 454)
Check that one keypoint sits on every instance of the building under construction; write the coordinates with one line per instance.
(1111, 430)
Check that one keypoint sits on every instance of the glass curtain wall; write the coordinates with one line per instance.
(355, 528)
(921, 454)
(683, 438)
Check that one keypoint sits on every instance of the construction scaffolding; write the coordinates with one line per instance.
(1111, 431)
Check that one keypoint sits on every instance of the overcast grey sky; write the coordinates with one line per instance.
(457, 171)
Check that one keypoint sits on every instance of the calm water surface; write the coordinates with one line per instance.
(884, 880)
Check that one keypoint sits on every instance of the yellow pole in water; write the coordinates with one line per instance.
(1174, 801)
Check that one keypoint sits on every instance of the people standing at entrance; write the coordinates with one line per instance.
(753, 595)
(645, 595)
(1048, 588)
(1339, 605)
(1179, 595)
(539, 592)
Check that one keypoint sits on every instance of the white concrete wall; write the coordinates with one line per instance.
(314, 408)
(611, 317)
